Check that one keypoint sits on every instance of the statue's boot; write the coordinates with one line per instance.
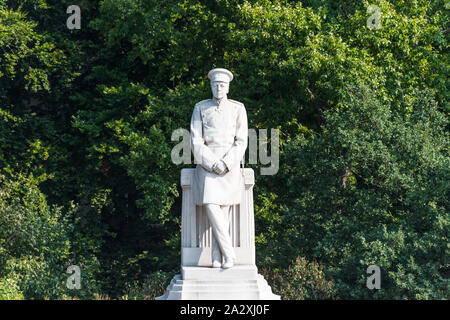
(229, 263)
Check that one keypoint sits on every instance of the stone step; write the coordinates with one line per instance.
(218, 282)
(212, 287)
(215, 295)
(221, 288)
(238, 272)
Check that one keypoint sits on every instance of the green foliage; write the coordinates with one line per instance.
(372, 188)
(24, 54)
(37, 243)
(86, 118)
(301, 280)
(9, 288)
(154, 285)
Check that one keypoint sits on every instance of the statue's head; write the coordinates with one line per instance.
(220, 82)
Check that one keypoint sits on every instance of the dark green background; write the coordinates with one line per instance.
(86, 118)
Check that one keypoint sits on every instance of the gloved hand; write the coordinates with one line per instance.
(219, 167)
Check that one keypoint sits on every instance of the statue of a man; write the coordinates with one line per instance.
(219, 132)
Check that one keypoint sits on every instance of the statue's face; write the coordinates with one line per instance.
(219, 89)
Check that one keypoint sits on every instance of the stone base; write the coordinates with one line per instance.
(204, 283)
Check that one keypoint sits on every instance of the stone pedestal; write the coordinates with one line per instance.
(203, 283)
(198, 280)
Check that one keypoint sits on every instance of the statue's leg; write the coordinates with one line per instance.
(215, 253)
(219, 224)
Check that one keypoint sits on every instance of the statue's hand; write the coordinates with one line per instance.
(219, 167)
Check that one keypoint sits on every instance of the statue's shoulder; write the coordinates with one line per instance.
(240, 104)
(203, 103)
(237, 105)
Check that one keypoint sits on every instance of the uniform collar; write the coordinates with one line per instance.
(223, 102)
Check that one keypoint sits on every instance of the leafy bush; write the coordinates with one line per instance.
(9, 287)
(154, 285)
(37, 244)
(301, 280)
(372, 188)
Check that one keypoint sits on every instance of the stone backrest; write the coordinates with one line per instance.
(196, 234)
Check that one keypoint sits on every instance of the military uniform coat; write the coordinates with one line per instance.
(218, 132)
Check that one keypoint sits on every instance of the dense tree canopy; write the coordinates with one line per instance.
(86, 118)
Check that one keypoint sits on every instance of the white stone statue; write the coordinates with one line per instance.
(219, 134)
(217, 218)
